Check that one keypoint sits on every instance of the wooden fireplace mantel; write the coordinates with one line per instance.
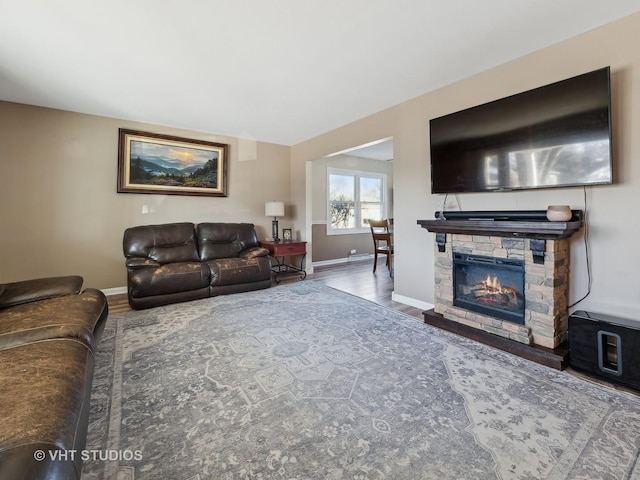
(541, 229)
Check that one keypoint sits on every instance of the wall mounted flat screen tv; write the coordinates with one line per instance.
(558, 135)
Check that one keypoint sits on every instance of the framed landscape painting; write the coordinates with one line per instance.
(154, 163)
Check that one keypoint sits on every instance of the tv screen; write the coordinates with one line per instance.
(558, 135)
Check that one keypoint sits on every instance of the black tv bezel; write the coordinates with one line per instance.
(509, 188)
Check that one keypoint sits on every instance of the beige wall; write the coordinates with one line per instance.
(338, 247)
(332, 247)
(612, 211)
(61, 213)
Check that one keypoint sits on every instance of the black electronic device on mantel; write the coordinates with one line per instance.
(558, 135)
(501, 215)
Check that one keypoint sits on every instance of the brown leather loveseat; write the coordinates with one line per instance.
(49, 330)
(176, 262)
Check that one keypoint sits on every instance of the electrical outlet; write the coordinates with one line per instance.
(353, 252)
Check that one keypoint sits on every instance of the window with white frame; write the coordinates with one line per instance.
(353, 198)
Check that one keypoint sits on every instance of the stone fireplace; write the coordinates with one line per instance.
(507, 278)
(544, 313)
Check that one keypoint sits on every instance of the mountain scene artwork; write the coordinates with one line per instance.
(157, 164)
(165, 164)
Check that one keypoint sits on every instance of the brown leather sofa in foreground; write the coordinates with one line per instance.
(176, 262)
(49, 330)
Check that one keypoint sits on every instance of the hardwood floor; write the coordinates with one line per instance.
(356, 278)
(118, 303)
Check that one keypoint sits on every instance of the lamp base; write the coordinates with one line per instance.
(274, 229)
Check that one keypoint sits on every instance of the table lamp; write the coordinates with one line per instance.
(275, 210)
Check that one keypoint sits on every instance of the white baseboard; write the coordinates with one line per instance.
(412, 302)
(114, 291)
(336, 261)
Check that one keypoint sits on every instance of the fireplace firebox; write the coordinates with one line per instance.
(489, 285)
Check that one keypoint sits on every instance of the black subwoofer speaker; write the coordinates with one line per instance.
(606, 347)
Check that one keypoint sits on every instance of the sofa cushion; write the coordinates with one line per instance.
(38, 289)
(232, 271)
(225, 240)
(80, 316)
(169, 278)
(45, 396)
(168, 243)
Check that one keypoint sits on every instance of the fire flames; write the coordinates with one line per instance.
(490, 290)
(492, 284)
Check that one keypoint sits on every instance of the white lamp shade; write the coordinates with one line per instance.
(274, 209)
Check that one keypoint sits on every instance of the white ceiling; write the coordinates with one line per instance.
(280, 71)
(377, 150)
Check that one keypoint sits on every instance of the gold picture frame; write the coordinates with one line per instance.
(170, 165)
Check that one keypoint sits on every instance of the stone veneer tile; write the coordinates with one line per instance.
(443, 262)
(543, 290)
(539, 307)
(539, 270)
(519, 330)
(533, 281)
(546, 342)
(527, 340)
(513, 243)
(461, 238)
(533, 295)
(501, 253)
(484, 248)
(447, 290)
(483, 319)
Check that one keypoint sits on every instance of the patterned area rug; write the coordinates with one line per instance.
(306, 382)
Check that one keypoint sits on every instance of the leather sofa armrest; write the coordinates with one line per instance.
(253, 252)
(139, 262)
(26, 291)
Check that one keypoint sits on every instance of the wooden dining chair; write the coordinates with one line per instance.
(381, 241)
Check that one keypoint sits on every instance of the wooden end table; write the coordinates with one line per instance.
(286, 248)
